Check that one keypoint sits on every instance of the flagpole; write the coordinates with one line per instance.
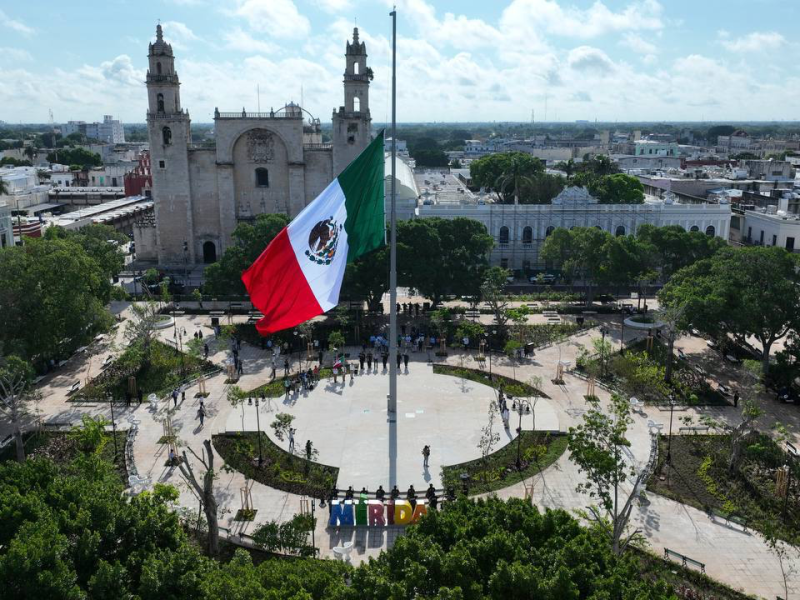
(392, 408)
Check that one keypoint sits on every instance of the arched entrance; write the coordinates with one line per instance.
(209, 252)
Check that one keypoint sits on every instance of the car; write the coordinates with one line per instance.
(546, 279)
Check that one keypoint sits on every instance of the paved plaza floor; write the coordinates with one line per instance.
(349, 425)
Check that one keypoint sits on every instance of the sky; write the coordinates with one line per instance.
(457, 60)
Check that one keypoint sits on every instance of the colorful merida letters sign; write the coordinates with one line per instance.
(376, 513)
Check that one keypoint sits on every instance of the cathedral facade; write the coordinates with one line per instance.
(272, 162)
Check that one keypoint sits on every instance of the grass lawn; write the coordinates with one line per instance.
(499, 469)
(166, 369)
(280, 470)
(510, 386)
(59, 447)
(699, 477)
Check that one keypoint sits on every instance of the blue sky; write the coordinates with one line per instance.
(465, 60)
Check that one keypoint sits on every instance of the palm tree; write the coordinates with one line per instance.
(3, 187)
(515, 177)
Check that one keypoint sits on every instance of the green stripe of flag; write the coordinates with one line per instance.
(362, 184)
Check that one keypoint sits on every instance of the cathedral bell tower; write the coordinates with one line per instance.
(169, 130)
(352, 122)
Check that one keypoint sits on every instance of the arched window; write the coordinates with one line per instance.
(694, 228)
(598, 227)
(160, 102)
(166, 135)
(620, 231)
(527, 236)
(262, 177)
(209, 252)
(549, 231)
(355, 68)
(504, 235)
(711, 231)
(356, 104)
(158, 68)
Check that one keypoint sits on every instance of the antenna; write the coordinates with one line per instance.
(545, 108)
(258, 97)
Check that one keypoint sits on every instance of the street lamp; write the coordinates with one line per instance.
(521, 407)
(622, 334)
(258, 425)
(669, 439)
(113, 423)
(313, 525)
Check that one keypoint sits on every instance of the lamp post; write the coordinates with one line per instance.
(669, 439)
(313, 525)
(113, 423)
(258, 425)
(494, 334)
(622, 334)
(521, 407)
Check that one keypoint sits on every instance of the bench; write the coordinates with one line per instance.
(684, 560)
(730, 518)
(74, 387)
(696, 429)
(724, 389)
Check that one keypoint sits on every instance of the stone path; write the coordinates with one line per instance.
(741, 560)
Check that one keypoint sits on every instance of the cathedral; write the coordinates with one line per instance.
(270, 162)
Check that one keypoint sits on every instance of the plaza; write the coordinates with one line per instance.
(350, 428)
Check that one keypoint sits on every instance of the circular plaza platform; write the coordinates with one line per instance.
(349, 425)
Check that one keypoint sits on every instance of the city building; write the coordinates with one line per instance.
(139, 181)
(6, 227)
(655, 148)
(109, 130)
(23, 186)
(520, 230)
(772, 225)
(265, 162)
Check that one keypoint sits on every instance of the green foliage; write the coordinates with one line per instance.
(90, 435)
(281, 425)
(75, 156)
(469, 329)
(493, 293)
(291, 536)
(640, 376)
(225, 276)
(430, 158)
(618, 189)
(367, 278)
(52, 294)
(516, 177)
(336, 340)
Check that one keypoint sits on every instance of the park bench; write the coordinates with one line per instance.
(107, 361)
(729, 518)
(74, 387)
(724, 389)
(694, 429)
(6, 441)
(684, 560)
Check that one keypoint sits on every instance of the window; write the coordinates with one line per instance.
(356, 104)
(209, 252)
(749, 233)
(711, 231)
(504, 236)
(504, 263)
(761, 238)
(355, 68)
(160, 102)
(620, 231)
(790, 244)
(262, 177)
(158, 68)
(694, 228)
(527, 236)
(774, 240)
(166, 135)
(549, 231)
(162, 164)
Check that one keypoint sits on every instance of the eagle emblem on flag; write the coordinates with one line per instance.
(322, 241)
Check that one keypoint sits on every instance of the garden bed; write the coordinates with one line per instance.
(700, 477)
(166, 370)
(280, 469)
(499, 469)
(276, 389)
(62, 448)
(510, 386)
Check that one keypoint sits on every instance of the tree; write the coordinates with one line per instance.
(3, 187)
(507, 173)
(455, 164)
(668, 249)
(16, 377)
(618, 189)
(740, 291)
(578, 252)
(493, 294)
(430, 158)
(75, 156)
(594, 446)
(142, 328)
(52, 297)
(225, 275)
(204, 492)
(367, 278)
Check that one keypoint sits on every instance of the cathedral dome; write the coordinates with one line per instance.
(160, 47)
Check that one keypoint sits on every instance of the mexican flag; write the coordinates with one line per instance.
(299, 275)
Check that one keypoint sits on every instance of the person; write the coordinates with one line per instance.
(201, 413)
(361, 358)
(240, 370)
(380, 494)
(320, 356)
(430, 494)
(369, 360)
(352, 369)
(175, 397)
(309, 449)
(285, 366)
(405, 360)
(506, 416)
(291, 439)
(465, 341)
(286, 385)
(205, 350)
(200, 334)
(426, 453)
(399, 361)
(395, 494)
(348, 495)
(736, 398)
(272, 373)
(310, 379)
(127, 398)
(363, 493)
(385, 359)
(316, 373)
(140, 395)
(183, 395)
(411, 496)
(171, 457)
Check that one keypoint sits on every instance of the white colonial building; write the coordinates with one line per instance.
(263, 162)
(520, 230)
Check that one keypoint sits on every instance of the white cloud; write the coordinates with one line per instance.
(334, 6)
(15, 25)
(757, 41)
(15, 55)
(279, 18)
(591, 60)
(636, 43)
(188, 2)
(244, 42)
(178, 34)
